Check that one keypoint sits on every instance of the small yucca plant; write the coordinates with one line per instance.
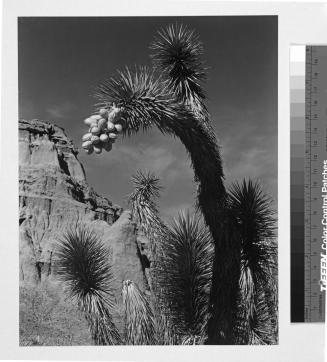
(143, 201)
(256, 224)
(145, 212)
(84, 266)
(140, 324)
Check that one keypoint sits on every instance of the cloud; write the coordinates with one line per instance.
(27, 109)
(155, 159)
(60, 111)
(115, 168)
(249, 149)
(256, 163)
(145, 157)
(164, 162)
(170, 212)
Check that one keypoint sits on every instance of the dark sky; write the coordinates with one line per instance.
(61, 60)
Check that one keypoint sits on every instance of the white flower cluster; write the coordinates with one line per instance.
(103, 130)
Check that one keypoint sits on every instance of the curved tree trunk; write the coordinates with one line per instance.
(202, 147)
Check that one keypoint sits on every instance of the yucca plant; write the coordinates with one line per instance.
(256, 223)
(145, 212)
(186, 273)
(146, 191)
(84, 267)
(140, 324)
(149, 99)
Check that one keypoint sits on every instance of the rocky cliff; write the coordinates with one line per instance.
(54, 195)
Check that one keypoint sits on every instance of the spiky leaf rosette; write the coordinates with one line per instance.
(139, 318)
(177, 52)
(83, 264)
(142, 95)
(146, 190)
(186, 275)
(256, 225)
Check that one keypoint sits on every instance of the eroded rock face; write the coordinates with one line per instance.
(121, 237)
(54, 196)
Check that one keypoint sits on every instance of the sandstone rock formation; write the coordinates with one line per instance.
(54, 195)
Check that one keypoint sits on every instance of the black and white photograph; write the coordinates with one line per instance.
(148, 180)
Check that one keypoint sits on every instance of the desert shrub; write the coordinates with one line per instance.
(47, 318)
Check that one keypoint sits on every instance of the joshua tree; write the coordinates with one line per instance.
(174, 102)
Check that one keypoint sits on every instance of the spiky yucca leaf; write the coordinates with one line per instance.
(166, 333)
(255, 222)
(261, 326)
(83, 264)
(139, 317)
(193, 340)
(177, 51)
(186, 275)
